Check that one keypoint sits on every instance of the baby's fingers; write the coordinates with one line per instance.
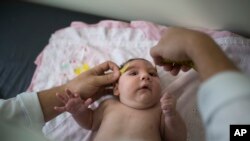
(168, 101)
(63, 98)
(85, 105)
(168, 109)
(77, 95)
(69, 93)
(60, 109)
(166, 106)
(88, 102)
(166, 96)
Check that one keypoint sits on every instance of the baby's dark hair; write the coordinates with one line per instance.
(123, 64)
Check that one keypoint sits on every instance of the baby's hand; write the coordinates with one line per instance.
(168, 104)
(72, 103)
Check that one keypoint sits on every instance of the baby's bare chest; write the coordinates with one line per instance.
(131, 124)
(133, 120)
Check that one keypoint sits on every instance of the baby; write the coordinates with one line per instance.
(139, 113)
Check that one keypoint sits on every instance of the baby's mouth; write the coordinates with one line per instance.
(145, 87)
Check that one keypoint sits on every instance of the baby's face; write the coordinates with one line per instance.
(139, 86)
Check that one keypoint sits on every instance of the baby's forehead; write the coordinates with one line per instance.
(139, 62)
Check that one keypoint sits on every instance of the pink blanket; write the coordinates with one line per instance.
(81, 43)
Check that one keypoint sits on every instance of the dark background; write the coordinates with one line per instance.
(25, 29)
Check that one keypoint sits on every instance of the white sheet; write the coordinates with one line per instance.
(81, 43)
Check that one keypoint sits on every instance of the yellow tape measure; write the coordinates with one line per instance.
(81, 69)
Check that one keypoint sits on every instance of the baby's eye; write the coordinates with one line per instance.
(133, 73)
(154, 74)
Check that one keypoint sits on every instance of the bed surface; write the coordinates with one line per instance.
(25, 30)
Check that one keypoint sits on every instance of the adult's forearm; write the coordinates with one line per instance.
(208, 58)
(225, 96)
(48, 101)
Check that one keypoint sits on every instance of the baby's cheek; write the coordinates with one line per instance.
(158, 87)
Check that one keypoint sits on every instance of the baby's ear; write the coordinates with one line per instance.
(115, 90)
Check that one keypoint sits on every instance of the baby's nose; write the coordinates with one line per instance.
(145, 76)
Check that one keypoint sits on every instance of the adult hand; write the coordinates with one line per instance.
(90, 84)
(181, 48)
(95, 82)
(172, 50)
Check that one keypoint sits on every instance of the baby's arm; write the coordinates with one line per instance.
(77, 107)
(174, 128)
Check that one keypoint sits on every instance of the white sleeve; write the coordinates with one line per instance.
(224, 100)
(25, 109)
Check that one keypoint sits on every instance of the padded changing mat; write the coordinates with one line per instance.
(92, 44)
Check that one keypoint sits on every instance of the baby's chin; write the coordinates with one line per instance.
(141, 104)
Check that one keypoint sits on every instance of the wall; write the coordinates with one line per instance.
(231, 15)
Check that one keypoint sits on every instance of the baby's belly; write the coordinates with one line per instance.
(128, 131)
(111, 136)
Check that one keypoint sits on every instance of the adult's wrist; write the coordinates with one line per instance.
(48, 101)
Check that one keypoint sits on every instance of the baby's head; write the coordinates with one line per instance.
(139, 85)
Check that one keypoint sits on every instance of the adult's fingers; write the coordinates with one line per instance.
(185, 68)
(155, 54)
(175, 70)
(102, 79)
(100, 69)
(106, 79)
(168, 67)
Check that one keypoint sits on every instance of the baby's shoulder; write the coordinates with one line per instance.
(108, 102)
